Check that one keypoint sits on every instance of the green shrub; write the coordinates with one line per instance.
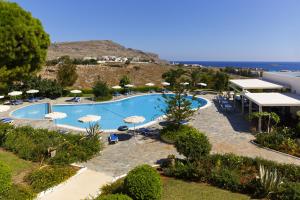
(193, 144)
(271, 140)
(113, 188)
(49, 176)
(185, 170)
(101, 91)
(170, 133)
(289, 191)
(5, 178)
(143, 182)
(47, 88)
(4, 129)
(225, 178)
(76, 148)
(34, 144)
(19, 192)
(114, 197)
(145, 89)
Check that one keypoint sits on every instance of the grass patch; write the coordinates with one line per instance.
(16, 164)
(174, 189)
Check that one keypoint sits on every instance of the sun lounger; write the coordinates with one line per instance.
(75, 99)
(184, 122)
(123, 128)
(6, 120)
(113, 138)
(16, 102)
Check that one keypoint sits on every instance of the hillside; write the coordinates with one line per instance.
(96, 48)
(140, 74)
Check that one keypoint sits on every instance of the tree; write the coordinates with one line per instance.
(66, 74)
(270, 116)
(173, 76)
(179, 108)
(193, 144)
(195, 77)
(124, 81)
(101, 89)
(23, 42)
(221, 81)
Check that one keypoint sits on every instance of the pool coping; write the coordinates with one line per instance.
(156, 120)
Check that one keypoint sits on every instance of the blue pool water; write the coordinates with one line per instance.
(112, 113)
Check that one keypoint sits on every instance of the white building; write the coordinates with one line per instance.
(289, 79)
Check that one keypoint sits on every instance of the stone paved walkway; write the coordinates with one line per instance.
(229, 133)
(118, 159)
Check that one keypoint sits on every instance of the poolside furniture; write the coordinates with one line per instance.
(113, 138)
(32, 99)
(116, 94)
(6, 120)
(75, 99)
(184, 122)
(123, 128)
(16, 102)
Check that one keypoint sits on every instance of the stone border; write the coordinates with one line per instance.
(273, 150)
(52, 189)
(208, 103)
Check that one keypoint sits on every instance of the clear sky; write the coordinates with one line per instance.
(216, 30)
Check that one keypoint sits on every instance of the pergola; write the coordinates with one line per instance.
(272, 99)
(242, 85)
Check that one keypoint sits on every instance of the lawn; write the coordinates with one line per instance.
(18, 166)
(174, 189)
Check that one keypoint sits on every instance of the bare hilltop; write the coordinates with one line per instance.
(111, 72)
(97, 48)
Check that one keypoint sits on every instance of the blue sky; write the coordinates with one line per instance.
(217, 30)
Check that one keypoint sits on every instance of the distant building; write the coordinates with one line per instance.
(288, 79)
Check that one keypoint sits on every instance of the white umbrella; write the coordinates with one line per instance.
(89, 118)
(165, 83)
(116, 87)
(15, 93)
(32, 91)
(1, 97)
(56, 115)
(150, 84)
(134, 120)
(185, 83)
(129, 85)
(202, 84)
(75, 91)
(4, 108)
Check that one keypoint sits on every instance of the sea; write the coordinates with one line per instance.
(266, 66)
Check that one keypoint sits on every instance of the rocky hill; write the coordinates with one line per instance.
(97, 48)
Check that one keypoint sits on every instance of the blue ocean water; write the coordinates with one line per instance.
(267, 66)
(112, 113)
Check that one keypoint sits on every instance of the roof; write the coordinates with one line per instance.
(295, 74)
(255, 84)
(274, 99)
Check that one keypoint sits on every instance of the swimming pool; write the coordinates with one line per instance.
(112, 113)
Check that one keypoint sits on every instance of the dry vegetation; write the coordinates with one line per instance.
(140, 74)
